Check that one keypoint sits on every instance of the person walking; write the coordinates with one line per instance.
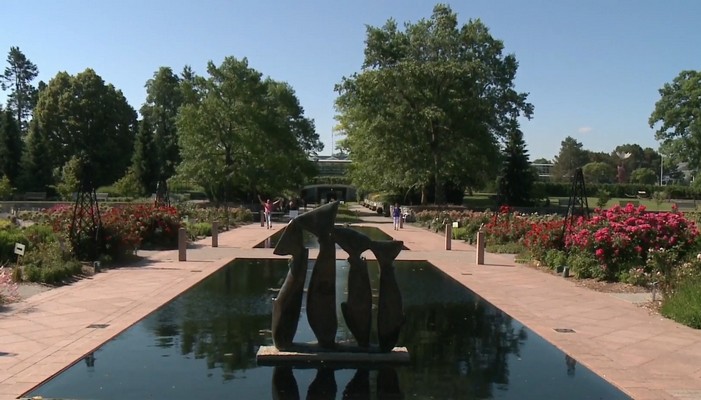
(268, 208)
(396, 216)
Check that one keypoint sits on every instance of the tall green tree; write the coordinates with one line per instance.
(145, 163)
(515, 183)
(429, 106)
(17, 78)
(157, 160)
(677, 117)
(571, 157)
(81, 115)
(10, 147)
(244, 134)
(36, 172)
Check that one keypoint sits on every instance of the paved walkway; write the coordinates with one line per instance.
(646, 356)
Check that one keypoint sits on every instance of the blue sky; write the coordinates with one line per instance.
(593, 68)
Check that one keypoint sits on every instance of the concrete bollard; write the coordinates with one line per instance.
(215, 234)
(480, 247)
(448, 236)
(182, 244)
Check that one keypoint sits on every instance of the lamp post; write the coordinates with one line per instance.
(661, 167)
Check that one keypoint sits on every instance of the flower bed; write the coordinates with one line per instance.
(619, 244)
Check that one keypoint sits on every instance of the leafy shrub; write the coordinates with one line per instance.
(585, 265)
(8, 238)
(554, 258)
(48, 262)
(199, 230)
(40, 233)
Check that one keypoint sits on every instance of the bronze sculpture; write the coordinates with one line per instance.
(288, 303)
(321, 291)
(357, 309)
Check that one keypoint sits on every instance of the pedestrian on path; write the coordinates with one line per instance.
(396, 216)
(268, 208)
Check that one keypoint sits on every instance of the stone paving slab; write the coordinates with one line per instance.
(646, 356)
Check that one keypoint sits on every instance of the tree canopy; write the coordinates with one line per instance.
(430, 106)
(677, 115)
(82, 116)
(236, 126)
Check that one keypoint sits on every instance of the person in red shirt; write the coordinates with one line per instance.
(268, 208)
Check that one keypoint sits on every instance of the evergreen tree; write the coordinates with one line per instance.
(10, 146)
(516, 177)
(571, 157)
(36, 173)
(157, 161)
(17, 78)
(145, 162)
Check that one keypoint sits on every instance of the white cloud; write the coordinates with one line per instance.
(584, 129)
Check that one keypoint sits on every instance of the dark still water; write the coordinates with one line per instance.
(203, 345)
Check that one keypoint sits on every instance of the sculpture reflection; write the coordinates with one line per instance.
(324, 385)
(284, 384)
(358, 388)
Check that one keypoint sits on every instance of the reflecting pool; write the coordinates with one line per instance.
(203, 345)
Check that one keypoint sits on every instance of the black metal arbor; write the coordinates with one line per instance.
(577, 205)
(86, 224)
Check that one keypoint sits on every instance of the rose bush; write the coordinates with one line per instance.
(126, 228)
(621, 237)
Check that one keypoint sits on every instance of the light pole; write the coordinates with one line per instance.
(661, 167)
